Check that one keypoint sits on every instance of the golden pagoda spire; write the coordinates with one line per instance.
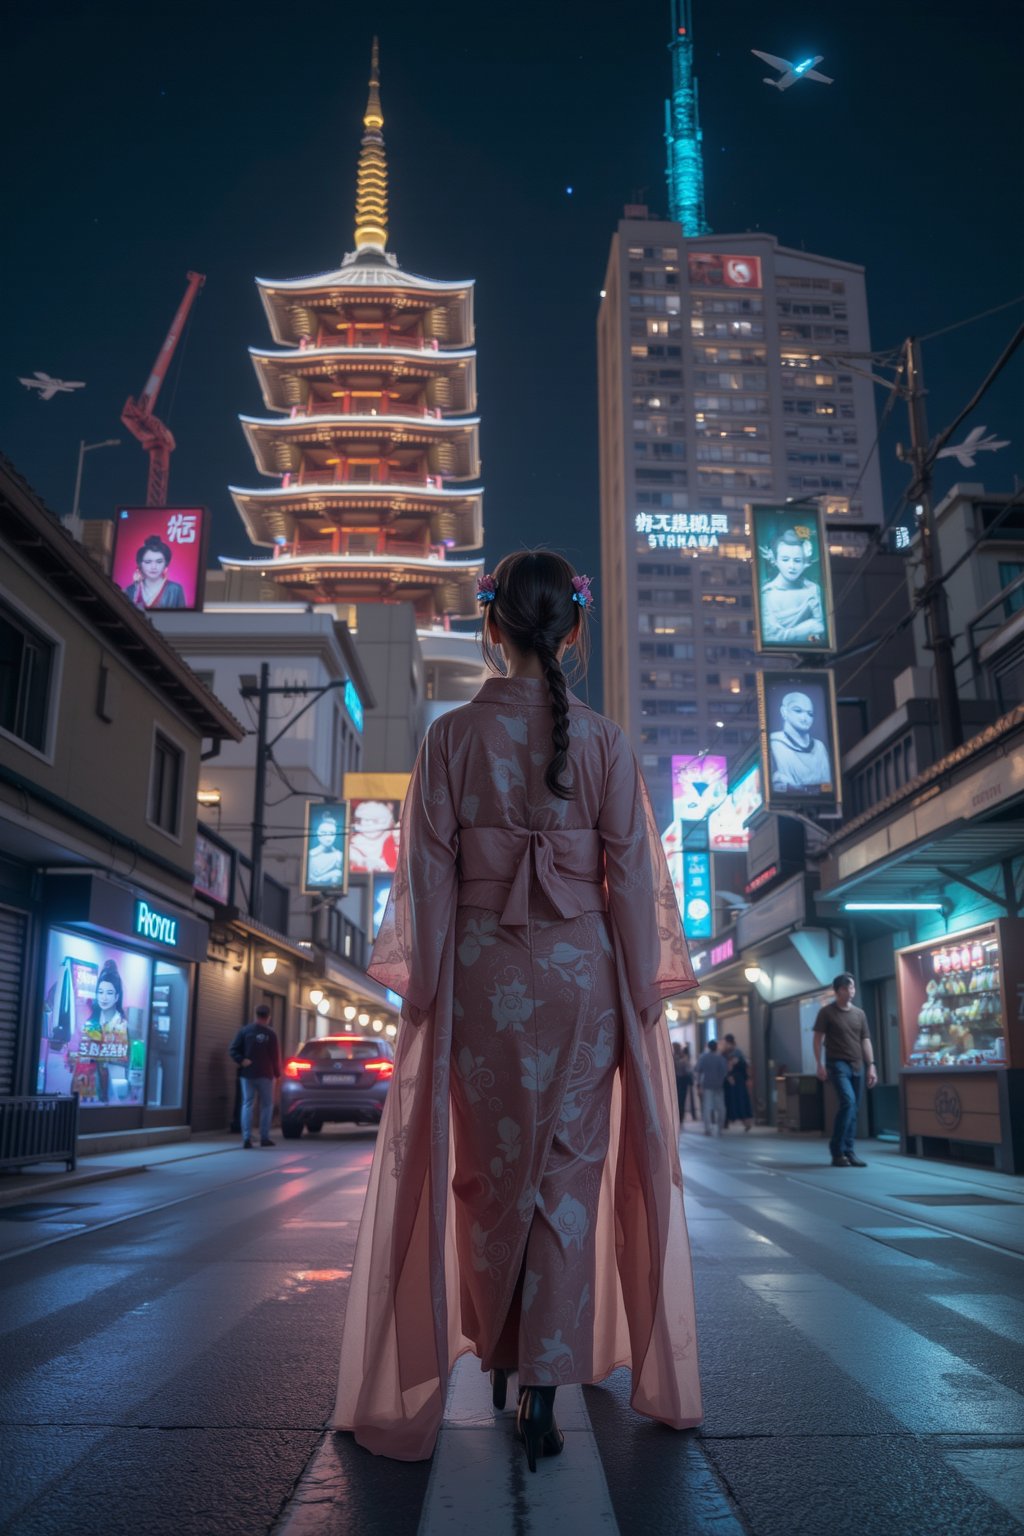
(372, 176)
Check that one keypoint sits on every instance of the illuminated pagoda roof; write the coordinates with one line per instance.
(437, 588)
(276, 513)
(370, 291)
(313, 443)
(306, 377)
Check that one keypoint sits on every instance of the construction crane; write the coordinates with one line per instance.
(139, 415)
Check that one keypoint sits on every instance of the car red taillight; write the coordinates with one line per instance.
(295, 1066)
(384, 1069)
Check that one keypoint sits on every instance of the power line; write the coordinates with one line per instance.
(972, 319)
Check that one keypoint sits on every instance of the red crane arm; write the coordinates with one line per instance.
(138, 416)
(147, 400)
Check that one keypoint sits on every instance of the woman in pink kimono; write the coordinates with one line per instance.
(525, 1201)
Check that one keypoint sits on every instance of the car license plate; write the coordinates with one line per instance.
(339, 1080)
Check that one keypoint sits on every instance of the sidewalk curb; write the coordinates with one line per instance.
(43, 1184)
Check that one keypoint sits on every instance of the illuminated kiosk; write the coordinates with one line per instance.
(374, 445)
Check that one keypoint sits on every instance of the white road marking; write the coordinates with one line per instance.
(480, 1480)
(950, 1396)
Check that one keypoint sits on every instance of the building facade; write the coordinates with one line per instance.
(102, 933)
(719, 386)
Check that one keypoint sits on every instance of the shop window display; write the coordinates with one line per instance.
(953, 1002)
(113, 1026)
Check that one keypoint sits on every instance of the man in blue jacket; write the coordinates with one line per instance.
(258, 1054)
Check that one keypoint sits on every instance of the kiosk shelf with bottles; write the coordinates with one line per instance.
(961, 1004)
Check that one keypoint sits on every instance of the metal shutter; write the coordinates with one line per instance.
(12, 962)
(220, 1014)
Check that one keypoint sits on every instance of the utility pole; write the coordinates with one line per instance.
(261, 692)
(259, 808)
(936, 609)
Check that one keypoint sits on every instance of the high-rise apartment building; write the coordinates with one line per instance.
(721, 383)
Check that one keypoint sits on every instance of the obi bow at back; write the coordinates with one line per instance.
(499, 865)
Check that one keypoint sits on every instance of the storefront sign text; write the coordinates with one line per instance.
(155, 926)
(720, 953)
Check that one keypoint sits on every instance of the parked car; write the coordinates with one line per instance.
(336, 1077)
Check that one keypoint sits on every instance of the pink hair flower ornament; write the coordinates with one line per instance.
(581, 592)
(487, 591)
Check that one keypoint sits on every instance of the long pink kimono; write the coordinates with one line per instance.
(525, 1200)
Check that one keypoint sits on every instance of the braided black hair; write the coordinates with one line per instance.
(534, 607)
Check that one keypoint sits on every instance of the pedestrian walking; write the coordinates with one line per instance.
(256, 1050)
(737, 1085)
(842, 1031)
(712, 1069)
(684, 1080)
(533, 934)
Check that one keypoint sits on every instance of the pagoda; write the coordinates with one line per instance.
(373, 445)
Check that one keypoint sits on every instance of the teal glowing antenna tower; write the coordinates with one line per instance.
(685, 171)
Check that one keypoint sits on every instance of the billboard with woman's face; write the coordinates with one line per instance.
(792, 594)
(799, 739)
(325, 861)
(160, 556)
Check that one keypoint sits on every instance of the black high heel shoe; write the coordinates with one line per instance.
(535, 1424)
(499, 1387)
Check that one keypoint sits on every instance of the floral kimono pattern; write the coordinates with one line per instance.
(525, 1200)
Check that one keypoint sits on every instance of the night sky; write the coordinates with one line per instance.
(144, 141)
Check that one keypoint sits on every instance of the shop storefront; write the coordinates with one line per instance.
(962, 1038)
(118, 968)
(789, 962)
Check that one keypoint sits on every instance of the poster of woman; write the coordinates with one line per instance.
(160, 556)
(94, 1008)
(792, 592)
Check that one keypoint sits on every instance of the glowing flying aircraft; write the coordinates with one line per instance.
(48, 387)
(790, 73)
(974, 442)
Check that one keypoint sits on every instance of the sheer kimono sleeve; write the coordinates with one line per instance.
(407, 953)
(641, 899)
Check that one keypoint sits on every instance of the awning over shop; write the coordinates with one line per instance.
(964, 816)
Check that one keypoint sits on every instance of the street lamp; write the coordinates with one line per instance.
(752, 973)
(268, 964)
(83, 449)
(316, 995)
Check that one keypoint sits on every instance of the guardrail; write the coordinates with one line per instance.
(38, 1128)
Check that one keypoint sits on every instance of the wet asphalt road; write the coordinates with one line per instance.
(169, 1348)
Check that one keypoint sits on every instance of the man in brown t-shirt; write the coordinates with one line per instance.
(842, 1030)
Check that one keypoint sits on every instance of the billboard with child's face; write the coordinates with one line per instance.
(792, 595)
(325, 862)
